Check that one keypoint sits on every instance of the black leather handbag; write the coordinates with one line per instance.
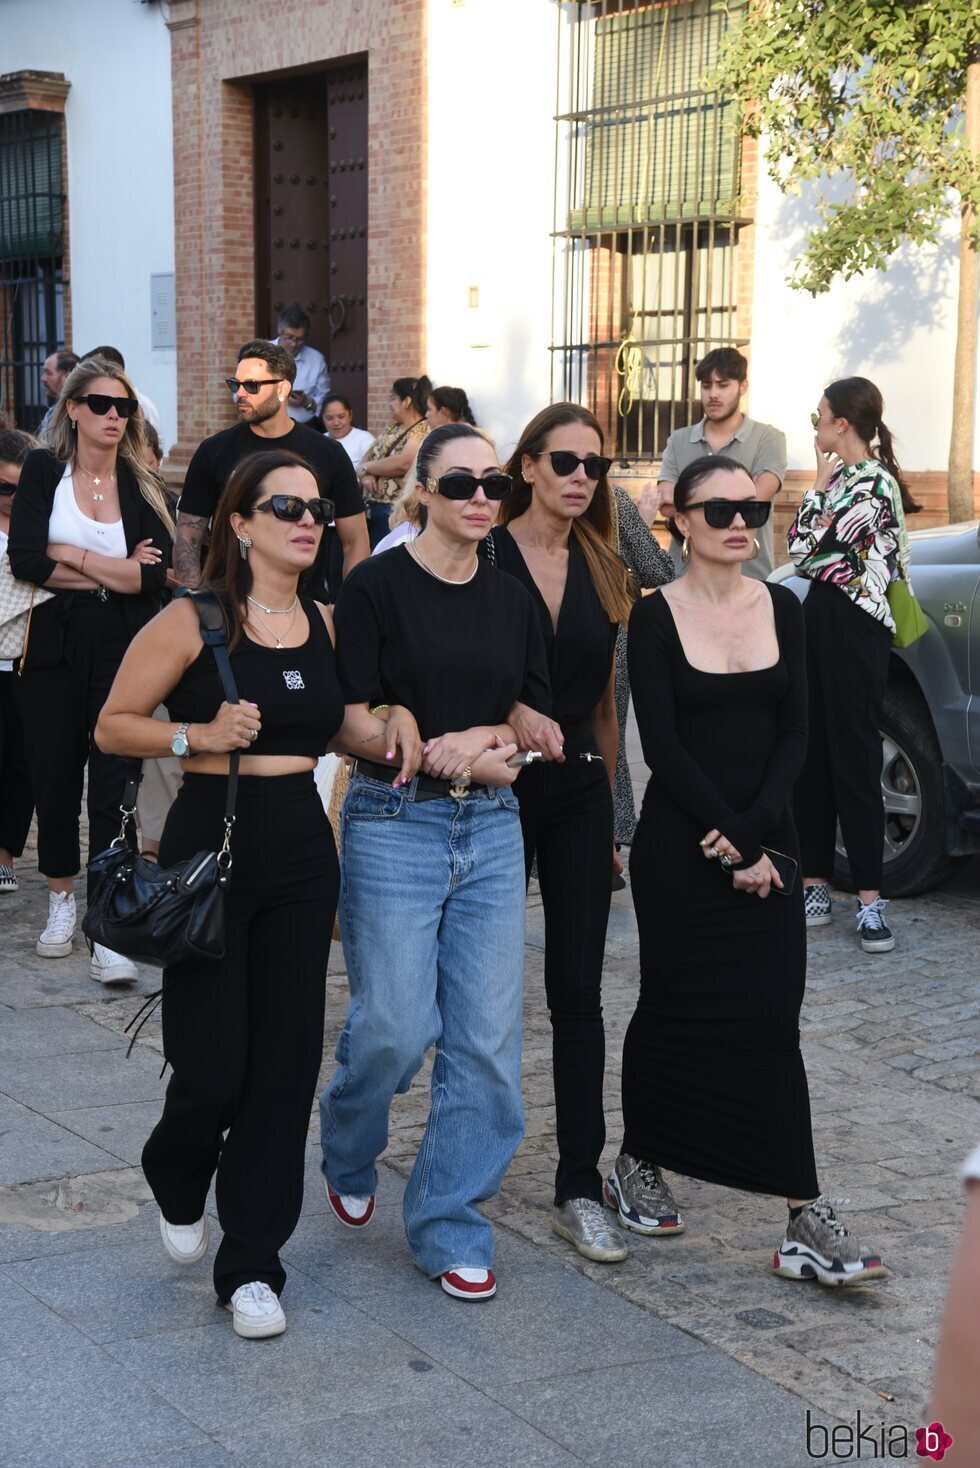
(163, 916)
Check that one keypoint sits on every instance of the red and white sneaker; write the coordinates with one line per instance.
(469, 1284)
(353, 1211)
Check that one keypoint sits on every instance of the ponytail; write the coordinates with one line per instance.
(886, 456)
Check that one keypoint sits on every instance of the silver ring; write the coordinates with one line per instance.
(253, 734)
(713, 851)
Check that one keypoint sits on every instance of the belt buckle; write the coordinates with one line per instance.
(459, 790)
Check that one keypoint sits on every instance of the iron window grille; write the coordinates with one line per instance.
(647, 213)
(31, 250)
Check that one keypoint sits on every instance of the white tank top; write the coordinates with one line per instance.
(68, 526)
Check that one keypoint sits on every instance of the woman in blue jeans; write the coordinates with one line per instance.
(432, 893)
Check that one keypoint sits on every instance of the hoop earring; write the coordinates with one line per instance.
(685, 550)
(758, 547)
(243, 545)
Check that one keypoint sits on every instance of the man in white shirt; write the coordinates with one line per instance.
(724, 376)
(312, 381)
(338, 420)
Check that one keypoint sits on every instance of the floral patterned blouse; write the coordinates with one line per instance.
(848, 534)
(389, 441)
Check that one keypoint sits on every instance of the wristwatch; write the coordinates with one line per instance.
(180, 744)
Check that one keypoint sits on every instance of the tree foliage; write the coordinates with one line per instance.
(870, 90)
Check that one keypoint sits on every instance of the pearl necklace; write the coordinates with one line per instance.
(446, 580)
(274, 611)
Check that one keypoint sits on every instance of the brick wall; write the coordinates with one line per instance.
(218, 49)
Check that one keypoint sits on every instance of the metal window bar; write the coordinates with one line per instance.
(31, 250)
(646, 213)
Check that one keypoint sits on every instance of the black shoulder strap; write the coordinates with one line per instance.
(213, 633)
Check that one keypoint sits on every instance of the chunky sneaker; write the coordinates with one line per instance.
(876, 936)
(816, 905)
(111, 968)
(186, 1243)
(643, 1201)
(352, 1210)
(469, 1284)
(818, 1246)
(587, 1225)
(55, 941)
(257, 1311)
(8, 882)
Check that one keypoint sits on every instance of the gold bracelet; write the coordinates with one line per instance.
(378, 707)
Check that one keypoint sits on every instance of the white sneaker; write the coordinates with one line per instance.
(55, 941)
(257, 1311)
(8, 881)
(111, 968)
(186, 1243)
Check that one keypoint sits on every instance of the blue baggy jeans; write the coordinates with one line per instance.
(432, 916)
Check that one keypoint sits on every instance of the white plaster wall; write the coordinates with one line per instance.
(490, 200)
(116, 54)
(896, 327)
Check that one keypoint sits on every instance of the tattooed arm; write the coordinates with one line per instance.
(191, 530)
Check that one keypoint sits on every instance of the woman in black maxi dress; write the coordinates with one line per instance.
(713, 1080)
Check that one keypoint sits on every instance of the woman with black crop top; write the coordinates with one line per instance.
(559, 541)
(244, 1035)
(432, 889)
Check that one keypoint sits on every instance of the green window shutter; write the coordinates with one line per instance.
(31, 222)
(657, 146)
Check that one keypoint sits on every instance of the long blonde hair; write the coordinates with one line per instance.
(595, 531)
(62, 439)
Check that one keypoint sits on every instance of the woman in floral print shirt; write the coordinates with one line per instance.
(845, 538)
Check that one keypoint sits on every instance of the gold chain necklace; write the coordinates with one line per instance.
(96, 480)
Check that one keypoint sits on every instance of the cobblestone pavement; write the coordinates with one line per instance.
(890, 1044)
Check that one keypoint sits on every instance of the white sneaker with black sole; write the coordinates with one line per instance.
(8, 881)
(55, 941)
(111, 968)
(257, 1311)
(875, 935)
(816, 905)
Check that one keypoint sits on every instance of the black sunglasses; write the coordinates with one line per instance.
(8, 489)
(564, 463)
(100, 403)
(293, 507)
(719, 514)
(464, 486)
(252, 385)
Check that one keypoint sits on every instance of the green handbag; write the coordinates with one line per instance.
(910, 621)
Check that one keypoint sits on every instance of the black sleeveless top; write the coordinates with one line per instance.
(296, 690)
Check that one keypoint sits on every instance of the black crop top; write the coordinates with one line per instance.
(458, 656)
(297, 690)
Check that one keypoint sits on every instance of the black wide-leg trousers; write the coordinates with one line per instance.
(244, 1034)
(567, 821)
(847, 655)
(16, 795)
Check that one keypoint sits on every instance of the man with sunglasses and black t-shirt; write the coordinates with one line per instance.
(260, 390)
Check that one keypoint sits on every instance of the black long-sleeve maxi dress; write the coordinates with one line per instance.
(713, 1080)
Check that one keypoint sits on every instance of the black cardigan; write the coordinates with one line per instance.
(28, 546)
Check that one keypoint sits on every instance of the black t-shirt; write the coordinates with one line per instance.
(457, 656)
(580, 652)
(214, 459)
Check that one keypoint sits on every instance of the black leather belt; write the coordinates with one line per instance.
(426, 787)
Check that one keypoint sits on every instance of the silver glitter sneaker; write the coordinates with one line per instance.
(818, 1246)
(816, 905)
(588, 1226)
(641, 1198)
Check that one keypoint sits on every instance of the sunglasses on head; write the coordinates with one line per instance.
(719, 514)
(564, 463)
(464, 486)
(252, 385)
(100, 403)
(293, 507)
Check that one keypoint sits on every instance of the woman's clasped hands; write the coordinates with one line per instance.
(759, 878)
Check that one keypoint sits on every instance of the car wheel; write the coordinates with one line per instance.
(913, 797)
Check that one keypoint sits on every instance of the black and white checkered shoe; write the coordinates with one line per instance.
(816, 905)
(8, 881)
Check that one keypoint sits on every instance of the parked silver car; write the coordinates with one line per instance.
(930, 726)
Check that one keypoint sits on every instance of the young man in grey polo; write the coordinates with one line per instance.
(725, 429)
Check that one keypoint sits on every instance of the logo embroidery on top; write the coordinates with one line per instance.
(293, 677)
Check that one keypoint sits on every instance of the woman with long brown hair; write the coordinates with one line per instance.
(558, 539)
(244, 1036)
(90, 523)
(846, 539)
